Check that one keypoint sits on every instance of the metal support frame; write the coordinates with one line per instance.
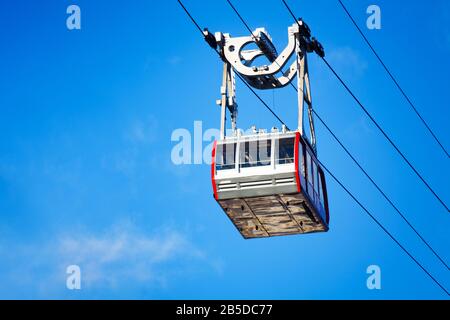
(228, 99)
(304, 95)
(236, 59)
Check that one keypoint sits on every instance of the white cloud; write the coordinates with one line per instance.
(120, 257)
(356, 130)
(143, 131)
(347, 60)
(136, 151)
(174, 60)
(125, 254)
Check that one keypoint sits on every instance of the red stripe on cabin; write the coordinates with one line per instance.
(296, 159)
(213, 170)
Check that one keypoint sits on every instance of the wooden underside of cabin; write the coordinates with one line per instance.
(274, 215)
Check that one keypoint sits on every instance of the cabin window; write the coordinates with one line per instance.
(320, 176)
(310, 174)
(286, 150)
(301, 159)
(225, 156)
(314, 166)
(255, 153)
(309, 168)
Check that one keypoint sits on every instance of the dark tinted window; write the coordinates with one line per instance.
(286, 150)
(321, 188)
(255, 153)
(301, 159)
(225, 156)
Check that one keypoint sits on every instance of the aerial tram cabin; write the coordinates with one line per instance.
(268, 183)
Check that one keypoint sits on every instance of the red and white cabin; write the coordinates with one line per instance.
(270, 184)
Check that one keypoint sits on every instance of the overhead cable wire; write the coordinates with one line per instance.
(346, 190)
(417, 173)
(394, 80)
(357, 162)
(240, 77)
(382, 227)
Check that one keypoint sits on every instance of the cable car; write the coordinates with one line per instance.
(268, 183)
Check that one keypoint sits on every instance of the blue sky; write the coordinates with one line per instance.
(86, 175)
